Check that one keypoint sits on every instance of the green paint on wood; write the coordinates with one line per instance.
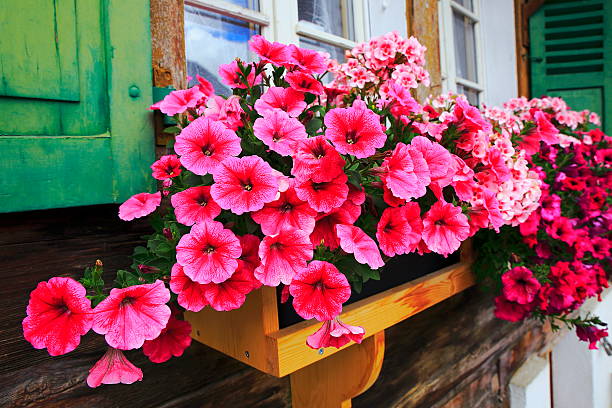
(71, 134)
(571, 54)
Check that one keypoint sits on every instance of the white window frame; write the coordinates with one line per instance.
(279, 20)
(450, 79)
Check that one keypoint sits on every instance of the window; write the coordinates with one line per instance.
(460, 48)
(217, 31)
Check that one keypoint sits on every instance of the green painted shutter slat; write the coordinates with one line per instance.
(70, 133)
(571, 54)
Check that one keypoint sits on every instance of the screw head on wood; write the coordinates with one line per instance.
(247, 355)
(134, 91)
(321, 351)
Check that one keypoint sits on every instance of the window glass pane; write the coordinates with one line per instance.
(250, 4)
(211, 40)
(465, 47)
(468, 4)
(331, 16)
(472, 95)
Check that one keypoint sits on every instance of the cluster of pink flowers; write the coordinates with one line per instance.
(291, 182)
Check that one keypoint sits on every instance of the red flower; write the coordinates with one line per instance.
(194, 205)
(250, 252)
(129, 316)
(205, 86)
(166, 167)
(231, 76)
(58, 314)
(282, 256)
(562, 229)
(334, 333)
(113, 368)
(286, 212)
(591, 335)
(546, 130)
(275, 53)
(231, 294)
(323, 196)
(317, 160)
(319, 291)
(395, 232)
(354, 241)
(139, 205)
(303, 82)
(172, 341)
(324, 232)
(405, 172)
(190, 293)
(179, 101)
(244, 184)
(355, 130)
(309, 61)
(520, 285)
(285, 99)
(280, 132)
(444, 228)
(209, 252)
(510, 311)
(205, 143)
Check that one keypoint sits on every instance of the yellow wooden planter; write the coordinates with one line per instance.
(328, 377)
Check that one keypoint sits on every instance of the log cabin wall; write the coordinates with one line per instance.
(455, 354)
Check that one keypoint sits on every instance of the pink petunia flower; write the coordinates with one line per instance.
(285, 99)
(317, 160)
(166, 167)
(231, 294)
(129, 316)
(395, 232)
(272, 52)
(439, 160)
(444, 228)
(303, 82)
(288, 211)
(405, 172)
(139, 205)
(209, 252)
(334, 333)
(179, 101)
(355, 130)
(547, 131)
(308, 61)
(519, 285)
(204, 143)
(172, 341)
(231, 76)
(113, 368)
(205, 86)
(190, 293)
(510, 311)
(354, 241)
(250, 252)
(280, 132)
(324, 196)
(244, 184)
(282, 256)
(58, 314)
(324, 232)
(591, 335)
(194, 205)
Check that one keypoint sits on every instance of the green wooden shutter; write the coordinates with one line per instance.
(571, 54)
(75, 86)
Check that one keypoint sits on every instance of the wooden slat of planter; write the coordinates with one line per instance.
(375, 314)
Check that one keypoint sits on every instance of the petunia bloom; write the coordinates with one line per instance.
(244, 184)
(190, 293)
(397, 232)
(405, 173)
(591, 335)
(280, 132)
(288, 211)
(354, 241)
(308, 61)
(439, 160)
(282, 256)
(58, 314)
(172, 341)
(194, 205)
(231, 294)
(179, 101)
(324, 196)
(444, 228)
(324, 232)
(319, 291)
(231, 76)
(209, 252)
(272, 52)
(355, 130)
(510, 311)
(166, 167)
(317, 160)
(334, 333)
(204, 143)
(519, 285)
(113, 368)
(278, 98)
(129, 316)
(139, 205)
(303, 82)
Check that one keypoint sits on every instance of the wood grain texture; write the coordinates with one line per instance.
(334, 381)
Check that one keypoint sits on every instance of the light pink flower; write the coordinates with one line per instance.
(179, 101)
(282, 256)
(444, 228)
(113, 368)
(139, 205)
(334, 333)
(231, 76)
(405, 172)
(194, 205)
(288, 211)
(280, 132)
(354, 241)
(277, 98)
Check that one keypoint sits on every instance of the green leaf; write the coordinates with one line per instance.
(309, 98)
(313, 125)
(173, 130)
(125, 279)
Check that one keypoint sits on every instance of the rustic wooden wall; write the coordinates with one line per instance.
(455, 354)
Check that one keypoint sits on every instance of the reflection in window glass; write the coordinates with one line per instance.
(465, 47)
(212, 39)
(472, 95)
(250, 4)
(468, 4)
(331, 16)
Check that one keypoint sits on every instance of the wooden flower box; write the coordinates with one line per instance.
(327, 377)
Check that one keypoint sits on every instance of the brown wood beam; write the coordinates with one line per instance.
(523, 9)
